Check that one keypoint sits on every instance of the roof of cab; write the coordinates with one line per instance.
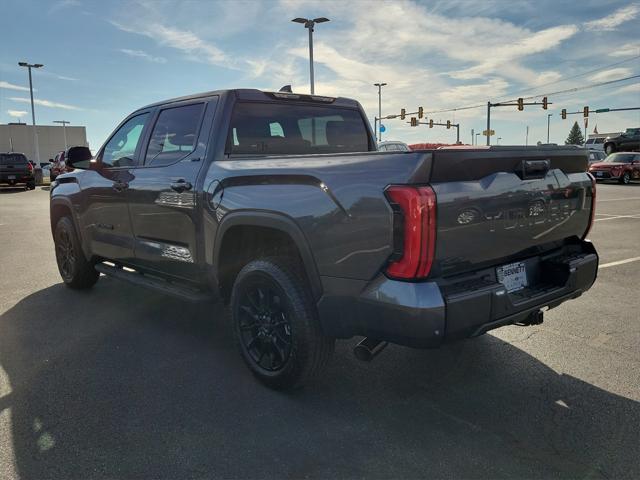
(256, 95)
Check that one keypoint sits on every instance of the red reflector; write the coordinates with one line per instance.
(418, 205)
(593, 205)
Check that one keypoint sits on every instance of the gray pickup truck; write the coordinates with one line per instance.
(279, 204)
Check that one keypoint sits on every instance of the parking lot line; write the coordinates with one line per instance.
(619, 262)
(616, 199)
(615, 217)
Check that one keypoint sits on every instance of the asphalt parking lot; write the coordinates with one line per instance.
(121, 382)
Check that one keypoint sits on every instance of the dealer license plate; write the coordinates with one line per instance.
(599, 174)
(11, 177)
(513, 276)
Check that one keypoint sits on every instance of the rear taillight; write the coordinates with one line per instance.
(30, 167)
(416, 207)
(593, 205)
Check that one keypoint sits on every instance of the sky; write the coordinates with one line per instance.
(105, 59)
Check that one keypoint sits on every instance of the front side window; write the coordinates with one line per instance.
(174, 135)
(281, 129)
(620, 158)
(121, 148)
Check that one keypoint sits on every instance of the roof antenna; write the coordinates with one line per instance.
(286, 88)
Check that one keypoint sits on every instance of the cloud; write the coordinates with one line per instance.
(17, 113)
(633, 88)
(627, 49)
(11, 86)
(184, 40)
(144, 55)
(615, 19)
(611, 74)
(62, 4)
(45, 103)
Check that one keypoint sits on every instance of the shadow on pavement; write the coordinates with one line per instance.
(119, 382)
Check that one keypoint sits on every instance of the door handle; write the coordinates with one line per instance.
(180, 185)
(120, 186)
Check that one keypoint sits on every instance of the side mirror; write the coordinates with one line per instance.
(78, 157)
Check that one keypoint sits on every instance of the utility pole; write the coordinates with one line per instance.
(309, 24)
(548, 123)
(64, 130)
(526, 138)
(29, 66)
(379, 131)
(472, 137)
(488, 123)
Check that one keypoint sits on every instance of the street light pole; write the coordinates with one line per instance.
(548, 123)
(477, 138)
(309, 24)
(64, 131)
(29, 66)
(379, 131)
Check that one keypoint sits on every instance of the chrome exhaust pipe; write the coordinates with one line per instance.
(369, 348)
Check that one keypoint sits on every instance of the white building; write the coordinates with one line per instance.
(18, 137)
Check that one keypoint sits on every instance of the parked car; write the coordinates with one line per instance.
(621, 166)
(15, 170)
(393, 147)
(280, 205)
(58, 165)
(595, 143)
(627, 141)
(596, 156)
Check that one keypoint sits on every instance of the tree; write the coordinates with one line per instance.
(575, 136)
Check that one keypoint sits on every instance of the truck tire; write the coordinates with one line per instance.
(75, 270)
(625, 178)
(276, 324)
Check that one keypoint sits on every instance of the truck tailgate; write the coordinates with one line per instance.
(500, 204)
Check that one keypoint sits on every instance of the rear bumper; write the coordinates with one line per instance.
(18, 179)
(427, 314)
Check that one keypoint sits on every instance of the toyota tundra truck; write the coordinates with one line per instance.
(279, 205)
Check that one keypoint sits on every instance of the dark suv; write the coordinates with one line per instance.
(625, 142)
(15, 170)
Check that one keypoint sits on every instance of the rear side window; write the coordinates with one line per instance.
(282, 129)
(174, 134)
(12, 159)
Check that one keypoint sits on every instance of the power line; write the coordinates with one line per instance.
(604, 67)
(549, 94)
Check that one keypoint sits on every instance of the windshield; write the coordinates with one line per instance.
(277, 129)
(12, 159)
(620, 158)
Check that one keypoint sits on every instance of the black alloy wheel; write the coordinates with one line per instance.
(65, 254)
(265, 330)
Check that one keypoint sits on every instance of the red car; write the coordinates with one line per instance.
(58, 165)
(621, 166)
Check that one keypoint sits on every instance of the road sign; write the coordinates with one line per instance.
(491, 132)
(602, 110)
(383, 128)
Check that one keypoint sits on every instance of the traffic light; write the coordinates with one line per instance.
(414, 122)
(545, 103)
(403, 114)
(420, 112)
(586, 111)
(431, 123)
(448, 123)
(563, 114)
(521, 104)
